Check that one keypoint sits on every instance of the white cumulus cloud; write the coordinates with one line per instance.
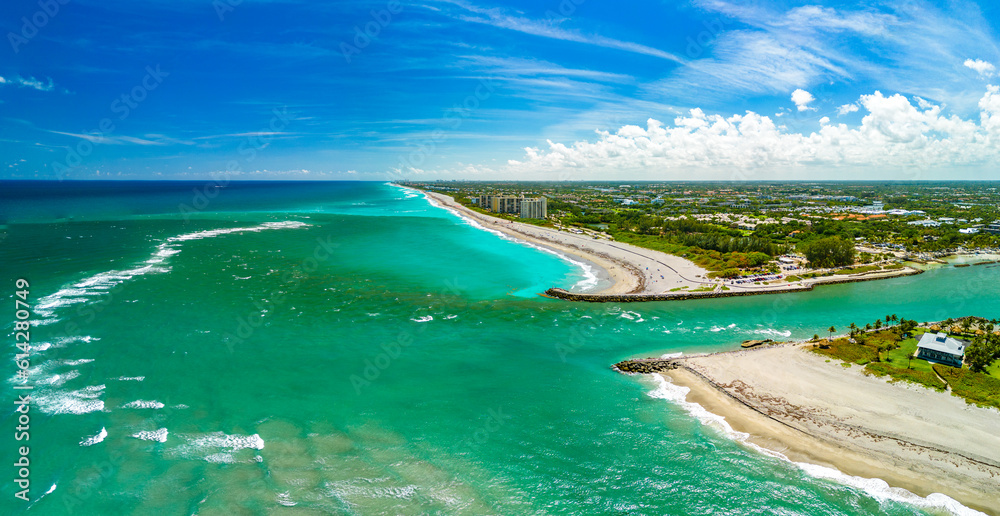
(983, 68)
(802, 98)
(847, 108)
(894, 136)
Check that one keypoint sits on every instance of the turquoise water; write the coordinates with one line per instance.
(347, 348)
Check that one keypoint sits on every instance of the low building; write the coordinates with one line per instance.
(942, 349)
(993, 229)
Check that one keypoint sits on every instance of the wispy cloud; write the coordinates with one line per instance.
(550, 29)
(911, 47)
(28, 82)
(110, 139)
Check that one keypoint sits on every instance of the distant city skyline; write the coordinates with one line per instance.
(454, 89)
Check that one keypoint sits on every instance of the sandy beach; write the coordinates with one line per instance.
(636, 271)
(794, 402)
(631, 269)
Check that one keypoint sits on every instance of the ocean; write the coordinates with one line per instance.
(350, 348)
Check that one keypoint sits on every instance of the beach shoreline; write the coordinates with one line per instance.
(792, 402)
(637, 274)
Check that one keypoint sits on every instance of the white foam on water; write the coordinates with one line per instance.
(46, 493)
(772, 331)
(632, 316)
(874, 487)
(99, 284)
(130, 378)
(78, 362)
(156, 435)
(221, 458)
(80, 401)
(672, 355)
(218, 447)
(94, 439)
(234, 442)
(286, 499)
(143, 404)
(59, 379)
(425, 318)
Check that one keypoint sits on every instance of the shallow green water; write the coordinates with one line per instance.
(351, 349)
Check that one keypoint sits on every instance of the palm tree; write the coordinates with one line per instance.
(831, 330)
(894, 318)
(878, 323)
(854, 329)
(910, 357)
(868, 327)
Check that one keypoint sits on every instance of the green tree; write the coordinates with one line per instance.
(831, 330)
(829, 252)
(981, 353)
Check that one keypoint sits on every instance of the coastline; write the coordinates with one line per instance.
(793, 403)
(637, 274)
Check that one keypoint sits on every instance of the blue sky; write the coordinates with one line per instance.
(560, 89)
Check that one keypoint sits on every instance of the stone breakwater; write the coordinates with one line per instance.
(645, 366)
(680, 296)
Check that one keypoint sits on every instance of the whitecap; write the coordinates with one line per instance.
(130, 378)
(143, 404)
(424, 318)
(159, 435)
(88, 288)
(286, 499)
(221, 458)
(218, 447)
(233, 442)
(772, 331)
(59, 379)
(80, 401)
(94, 439)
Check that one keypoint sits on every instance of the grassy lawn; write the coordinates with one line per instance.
(893, 363)
(926, 378)
(977, 388)
(994, 369)
(793, 278)
(898, 357)
(710, 260)
(863, 268)
(844, 350)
